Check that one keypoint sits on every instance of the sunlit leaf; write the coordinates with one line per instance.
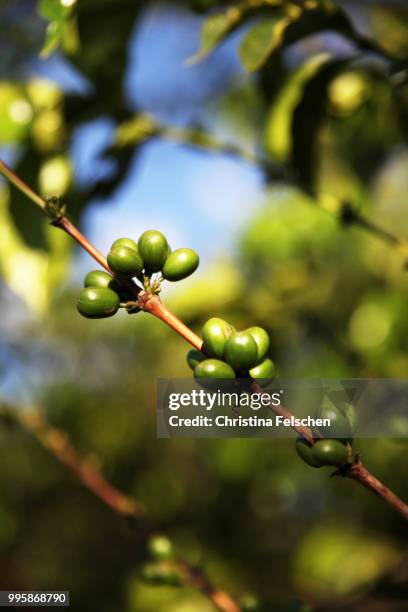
(318, 19)
(271, 35)
(61, 27)
(32, 274)
(53, 37)
(53, 10)
(16, 113)
(260, 42)
(215, 29)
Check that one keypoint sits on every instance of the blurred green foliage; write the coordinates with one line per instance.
(333, 299)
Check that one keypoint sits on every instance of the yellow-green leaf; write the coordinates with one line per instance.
(32, 274)
(260, 42)
(215, 29)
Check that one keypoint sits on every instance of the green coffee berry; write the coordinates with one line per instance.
(342, 422)
(160, 548)
(241, 351)
(180, 264)
(124, 293)
(153, 249)
(261, 338)
(213, 368)
(263, 371)
(215, 333)
(125, 261)
(98, 302)
(97, 278)
(304, 450)
(194, 357)
(330, 452)
(127, 242)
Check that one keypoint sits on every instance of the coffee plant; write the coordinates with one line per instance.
(325, 120)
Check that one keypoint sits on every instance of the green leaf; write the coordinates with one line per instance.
(216, 28)
(32, 273)
(28, 221)
(259, 43)
(53, 38)
(306, 122)
(59, 17)
(278, 136)
(272, 35)
(52, 10)
(327, 17)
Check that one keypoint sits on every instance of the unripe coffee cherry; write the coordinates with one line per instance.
(213, 368)
(180, 264)
(194, 357)
(160, 548)
(261, 338)
(215, 333)
(97, 278)
(128, 242)
(264, 371)
(304, 450)
(153, 249)
(98, 303)
(241, 351)
(330, 452)
(125, 261)
(343, 420)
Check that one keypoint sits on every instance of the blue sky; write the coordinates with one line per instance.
(196, 199)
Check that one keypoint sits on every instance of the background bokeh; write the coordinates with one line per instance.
(332, 296)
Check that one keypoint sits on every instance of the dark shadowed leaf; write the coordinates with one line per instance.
(279, 133)
(314, 20)
(272, 35)
(306, 122)
(104, 31)
(27, 217)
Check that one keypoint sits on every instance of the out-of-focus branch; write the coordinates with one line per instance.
(57, 442)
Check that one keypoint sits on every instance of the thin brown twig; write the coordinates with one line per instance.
(155, 306)
(357, 471)
(57, 442)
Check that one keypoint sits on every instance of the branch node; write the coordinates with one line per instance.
(55, 209)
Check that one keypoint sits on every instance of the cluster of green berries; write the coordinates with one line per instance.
(334, 444)
(104, 295)
(232, 354)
